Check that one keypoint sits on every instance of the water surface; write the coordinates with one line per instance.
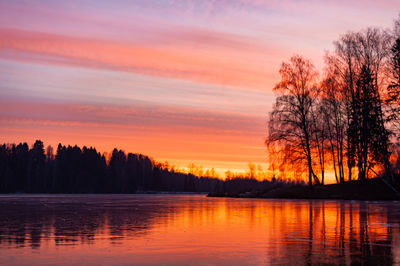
(194, 229)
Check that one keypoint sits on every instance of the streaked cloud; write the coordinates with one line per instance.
(213, 66)
(154, 117)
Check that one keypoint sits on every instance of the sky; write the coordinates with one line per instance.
(181, 81)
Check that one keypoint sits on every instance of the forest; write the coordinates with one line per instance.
(346, 122)
(84, 170)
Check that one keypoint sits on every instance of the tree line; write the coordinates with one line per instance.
(85, 170)
(346, 123)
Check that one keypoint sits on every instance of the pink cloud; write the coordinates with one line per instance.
(149, 117)
(229, 67)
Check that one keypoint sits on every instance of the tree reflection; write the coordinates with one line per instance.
(358, 235)
(69, 220)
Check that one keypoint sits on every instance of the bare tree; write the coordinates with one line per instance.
(291, 121)
(320, 135)
(343, 65)
(333, 112)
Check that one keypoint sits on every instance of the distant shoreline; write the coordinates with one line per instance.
(372, 189)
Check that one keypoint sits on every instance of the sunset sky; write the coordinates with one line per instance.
(182, 81)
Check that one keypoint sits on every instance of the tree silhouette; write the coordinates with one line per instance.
(394, 86)
(349, 118)
(291, 123)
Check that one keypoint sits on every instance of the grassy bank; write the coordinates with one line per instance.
(373, 189)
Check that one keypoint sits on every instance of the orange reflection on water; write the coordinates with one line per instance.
(182, 229)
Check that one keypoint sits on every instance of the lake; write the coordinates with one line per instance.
(194, 229)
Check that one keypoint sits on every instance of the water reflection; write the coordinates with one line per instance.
(172, 229)
(72, 220)
(347, 233)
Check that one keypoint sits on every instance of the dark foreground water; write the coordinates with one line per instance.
(194, 229)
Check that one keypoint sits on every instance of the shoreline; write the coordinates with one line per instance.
(368, 190)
